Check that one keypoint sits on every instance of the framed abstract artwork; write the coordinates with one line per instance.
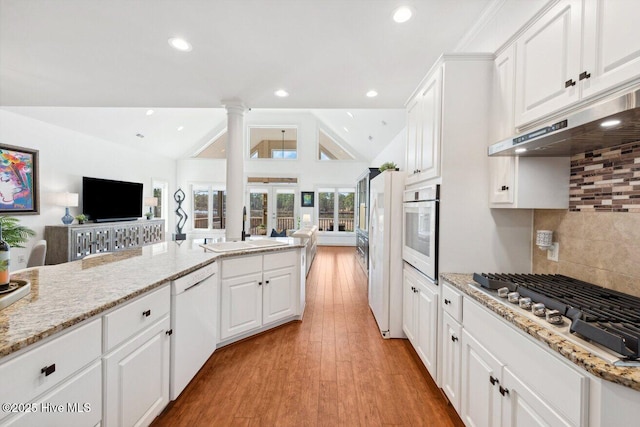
(307, 199)
(18, 181)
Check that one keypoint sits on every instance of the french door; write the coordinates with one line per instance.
(271, 207)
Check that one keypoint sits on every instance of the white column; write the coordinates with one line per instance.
(235, 169)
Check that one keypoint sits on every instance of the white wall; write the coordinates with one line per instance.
(310, 172)
(395, 151)
(66, 156)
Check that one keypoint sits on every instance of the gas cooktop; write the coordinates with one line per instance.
(603, 316)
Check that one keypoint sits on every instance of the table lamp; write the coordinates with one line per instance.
(67, 200)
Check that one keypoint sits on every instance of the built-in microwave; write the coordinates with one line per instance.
(420, 229)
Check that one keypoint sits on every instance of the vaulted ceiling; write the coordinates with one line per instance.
(106, 61)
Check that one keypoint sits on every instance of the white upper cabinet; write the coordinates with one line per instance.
(423, 131)
(611, 44)
(548, 63)
(578, 49)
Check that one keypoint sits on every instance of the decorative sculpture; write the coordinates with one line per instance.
(179, 197)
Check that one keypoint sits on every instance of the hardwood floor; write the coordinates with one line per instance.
(333, 368)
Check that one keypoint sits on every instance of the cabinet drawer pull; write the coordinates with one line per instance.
(493, 380)
(503, 391)
(454, 338)
(48, 370)
(584, 75)
(146, 313)
(447, 302)
(569, 83)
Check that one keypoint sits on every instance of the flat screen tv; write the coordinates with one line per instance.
(107, 200)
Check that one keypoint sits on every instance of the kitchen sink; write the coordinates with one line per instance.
(238, 246)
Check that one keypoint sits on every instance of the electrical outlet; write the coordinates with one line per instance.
(21, 259)
(552, 253)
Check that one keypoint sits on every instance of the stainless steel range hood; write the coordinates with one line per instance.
(580, 132)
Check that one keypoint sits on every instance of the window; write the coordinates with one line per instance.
(278, 143)
(329, 149)
(336, 206)
(209, 207)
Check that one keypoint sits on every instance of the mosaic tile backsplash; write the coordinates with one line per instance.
(606, 180)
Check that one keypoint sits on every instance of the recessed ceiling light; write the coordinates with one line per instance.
(520, 150)
(349, 114)
(402, 14)
(139, 135)
(149, 112)
(281, 93)
(180, 44)
(180, 128)
(372, 93)
(610, 123)
(345, 129)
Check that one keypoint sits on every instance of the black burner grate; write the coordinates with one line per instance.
(605, 316)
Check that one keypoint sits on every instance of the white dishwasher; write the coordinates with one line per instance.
(193, 322)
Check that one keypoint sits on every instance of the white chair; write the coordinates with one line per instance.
(38, 254)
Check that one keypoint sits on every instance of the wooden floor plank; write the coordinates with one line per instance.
(333, 368)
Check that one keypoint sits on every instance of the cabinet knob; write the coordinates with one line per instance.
(503, 391)
(266, 282)
(48, 370)
(169, 332)
(416, 290)
(447, 302)
(584, 75)
(146, 313)
(259, 283)
(493, 380)
(454, 338)
(504, 188)
(569, 83)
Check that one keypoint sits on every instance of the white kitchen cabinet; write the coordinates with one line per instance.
(611, 47)
(480, 382)
(424, 130)
(521, 406)
(76, 402)
(420, 318)
(136, 363)
(575, 51)
(136, 377)
(451, 358)
(548, 63)
(529, 182)
(256, 291)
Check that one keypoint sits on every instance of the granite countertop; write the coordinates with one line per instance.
(65, 294)
(625, 376)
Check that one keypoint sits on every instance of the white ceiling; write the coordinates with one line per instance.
(113, 56)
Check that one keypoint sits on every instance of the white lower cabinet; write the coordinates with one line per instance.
(136, 365)
(420, 316)
(451, 354)
(136, 378)
(480, 398)
(257, 290)
(508, 380)
(76, 402)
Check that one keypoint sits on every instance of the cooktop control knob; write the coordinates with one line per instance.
(503, 292)
(525, 303)
(513, 297)
(538, 309)
(554, 317)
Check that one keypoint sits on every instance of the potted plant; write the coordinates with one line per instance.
(388, 165)
(82, 218)
(13, 233)
(149, 214)
(262, 229)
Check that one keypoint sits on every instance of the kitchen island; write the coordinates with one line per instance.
(97, 331)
